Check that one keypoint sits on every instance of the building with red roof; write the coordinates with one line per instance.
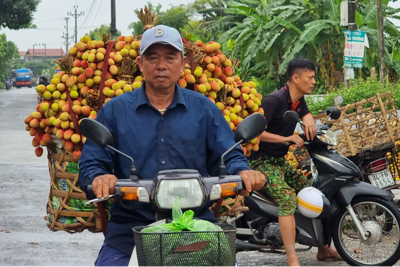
(38, 53)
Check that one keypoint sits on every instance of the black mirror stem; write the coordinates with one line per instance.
(222, 168)
(327, 117)
(133, 168)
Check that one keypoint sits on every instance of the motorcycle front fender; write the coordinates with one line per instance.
(352, 189)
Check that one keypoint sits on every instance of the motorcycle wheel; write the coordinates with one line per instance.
(387, 226)
(382, 248)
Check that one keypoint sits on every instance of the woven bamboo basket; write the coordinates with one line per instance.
(230, 207)
(365, 128)
(66, 209)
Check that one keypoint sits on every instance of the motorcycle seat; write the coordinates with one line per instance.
(377, 152)
(265, 196)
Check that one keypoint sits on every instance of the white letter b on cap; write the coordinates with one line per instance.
(159, 32)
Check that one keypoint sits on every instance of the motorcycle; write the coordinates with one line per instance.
(360, 218)
(193, 190)
(8, 85)
(374, 165)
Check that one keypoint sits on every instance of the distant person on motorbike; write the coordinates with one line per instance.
(161, 126)
(8, 83)
(284, 181)
(43, 80)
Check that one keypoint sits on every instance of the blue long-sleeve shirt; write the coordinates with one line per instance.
(191, 134)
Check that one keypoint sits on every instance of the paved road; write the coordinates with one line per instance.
(24, 188)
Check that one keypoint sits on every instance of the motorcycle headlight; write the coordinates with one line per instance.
(189, 191)
(328, 137)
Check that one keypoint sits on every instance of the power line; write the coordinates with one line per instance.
(94, 20)
(89, 14)
(47, 21)
(57, 29)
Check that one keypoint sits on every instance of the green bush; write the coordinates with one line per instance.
(356, 91)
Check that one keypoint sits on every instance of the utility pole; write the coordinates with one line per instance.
(352, 15)
(113, 29)
(381, 44)
(351, 26)
(39, 45)
(66, 37)
(76, 16)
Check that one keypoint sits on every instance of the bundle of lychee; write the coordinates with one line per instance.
(81, 88)
(211, 73)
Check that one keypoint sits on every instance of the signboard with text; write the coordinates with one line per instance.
(354, 49)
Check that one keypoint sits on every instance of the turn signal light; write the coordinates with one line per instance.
(130, 193)
(229, 189)
(135, 193)
(225, 190)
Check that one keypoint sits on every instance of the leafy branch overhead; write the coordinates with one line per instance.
(17, 14)
(274, 32)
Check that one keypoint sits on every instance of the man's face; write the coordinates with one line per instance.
(305, 80)
(161, 66)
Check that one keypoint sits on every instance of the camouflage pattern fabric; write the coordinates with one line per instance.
(284, 182)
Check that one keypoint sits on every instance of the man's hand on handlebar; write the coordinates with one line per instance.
(104, 185)
(253, 180)
(293, 139)
(310, 130)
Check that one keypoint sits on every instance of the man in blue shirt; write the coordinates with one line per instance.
(161, 126)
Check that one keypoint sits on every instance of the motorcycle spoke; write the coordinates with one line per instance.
(364, 251)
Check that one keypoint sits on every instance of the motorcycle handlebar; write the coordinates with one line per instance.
(302, 136)
(90, 189)
(149, 184)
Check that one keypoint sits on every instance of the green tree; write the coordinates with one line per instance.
(8, 52)
(215, 18)
(177, 17)
(17, 63)
(45, 65)
(17, 14)
(105, 29)
(276, 31)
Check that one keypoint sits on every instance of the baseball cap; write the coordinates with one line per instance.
(161, 34)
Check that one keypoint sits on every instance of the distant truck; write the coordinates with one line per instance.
(23, 78)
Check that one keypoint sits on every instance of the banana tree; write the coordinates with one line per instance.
(276, 31)
(215, 19)
(366, 20)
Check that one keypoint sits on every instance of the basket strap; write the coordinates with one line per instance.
(103, 217)
(218, 208)
(104, 72)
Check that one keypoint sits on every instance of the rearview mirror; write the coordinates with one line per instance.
(338, 100)
(251, 127)
(334, 113)
(291, 117)
(96, 132)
